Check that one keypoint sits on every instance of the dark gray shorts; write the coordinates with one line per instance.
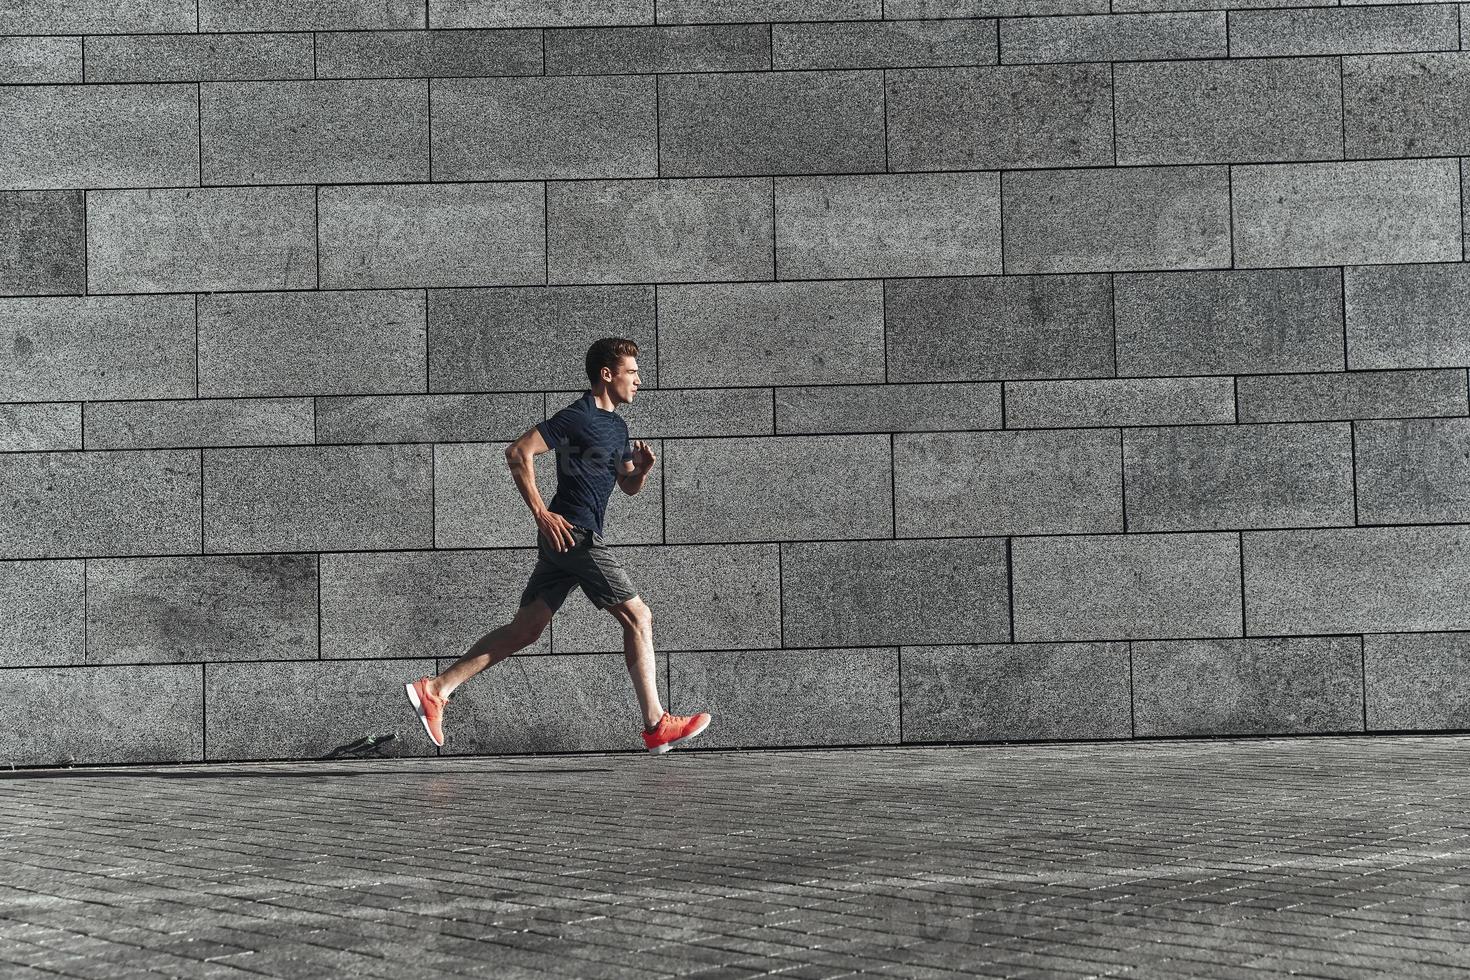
(588, 563)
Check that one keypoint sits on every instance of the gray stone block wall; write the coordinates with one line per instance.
(1061, 369)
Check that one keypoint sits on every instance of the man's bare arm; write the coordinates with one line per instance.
(520, 457)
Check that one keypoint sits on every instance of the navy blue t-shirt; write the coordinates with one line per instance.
(591, 446)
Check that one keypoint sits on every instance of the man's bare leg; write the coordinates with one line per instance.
(637, 621)
(494, 647)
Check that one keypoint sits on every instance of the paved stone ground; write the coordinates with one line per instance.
(1319, 856)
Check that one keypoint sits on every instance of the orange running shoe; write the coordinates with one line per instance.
(673, 729)
(429, 706)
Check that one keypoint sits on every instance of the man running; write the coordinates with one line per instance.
(593, 453)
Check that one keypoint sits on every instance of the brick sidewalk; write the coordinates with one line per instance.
(1319, 856)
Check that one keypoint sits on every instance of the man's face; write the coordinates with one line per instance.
(625, 382)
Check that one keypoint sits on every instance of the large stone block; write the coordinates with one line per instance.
(1217, 477)
(801, 697)
(1403, 316)
(778, 487)
(1351, 395)
(420, 603)
(660, 230)
(1010, 691)
(850, 593)
(633, 50)
(1120, 401)
(478, 337)
(323, 15)
(199, 57)
(426, 418)
(1417, 681)
(1413, 471)
(1229, 322)
(79, 715)
(539, 128)
(993, 118)
(1269, 686)
(883, 225)
(196, 422)
(294, 710)
(702, 597)
(433, 54)
(169, 241)
(999, 327)
(1229, 110)
(40, 60)
(790, 122)
(1361, 579)
(715, 334)
(477, 503)
(883, 44)
(75, 504)
(591, 696)
(1117, 219)
(39, 426)
(42, 250)
(673, 412)
(1344, 31)
(317, 498)
(315, 131)
(418, 235)
(1125, 586)
(64, 136)
(1043, 481)
(538, 13)
(696, 11)
(1406, 105)
(96, 348)
(887, 407)
(42, 613)
(1102, 37)
(1357, 212)
(98, 17)
(208, 608)
(312, 343)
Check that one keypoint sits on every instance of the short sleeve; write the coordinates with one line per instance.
(556, 429)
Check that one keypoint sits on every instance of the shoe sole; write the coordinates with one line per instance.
(418, 707)
(661, 749)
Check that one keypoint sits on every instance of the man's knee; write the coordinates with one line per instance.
(530, 622)
(633, 613)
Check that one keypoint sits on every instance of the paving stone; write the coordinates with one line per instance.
(1228, 110)
(537, 13)
(1351, 213)
(618, 50)
(789, 122)
(1360, 579)
(895, 408)
(420, 53)
(883, 44)
(539, 128)
(999, 327)
(1217, 477)
(1352, 395)
(1402, 316)
(142, 241)
(199, 57)
(1002, 117)
(193, 422)
(1123, 219)
(710, 334)
(999, 483)
(1250, 321)
(425, 235)
(1413, 471)
(1196, 34)
(41, 245)
(886, 225)
(697, 11)
(73, 504)
(1121, 401)
(1345, 30)
(334, 15)
(98, 17)
(1116, 586)
(68, 136)
(192, 609)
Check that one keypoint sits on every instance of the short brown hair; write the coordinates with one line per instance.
(606, 353)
